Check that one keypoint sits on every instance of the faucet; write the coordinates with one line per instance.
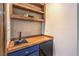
(20, 35)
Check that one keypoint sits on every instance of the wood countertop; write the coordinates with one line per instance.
(31, 41)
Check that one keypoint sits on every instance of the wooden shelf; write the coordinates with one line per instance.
(39, 4)
(27, 8)
(21, 17)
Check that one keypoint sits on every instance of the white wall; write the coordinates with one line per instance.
(61, 22)
(78, 29)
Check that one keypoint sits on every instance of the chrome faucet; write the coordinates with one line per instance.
(20, 40)
(20, 35)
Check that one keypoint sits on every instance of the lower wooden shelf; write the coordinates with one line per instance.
(21, 17)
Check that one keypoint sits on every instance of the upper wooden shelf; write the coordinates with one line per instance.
(42, 4)
(27, 8)
(39, 4)
(21, 17)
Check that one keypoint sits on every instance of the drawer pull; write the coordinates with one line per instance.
(26, 52)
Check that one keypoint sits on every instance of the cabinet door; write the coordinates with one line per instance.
(1, 29)
(46, 48)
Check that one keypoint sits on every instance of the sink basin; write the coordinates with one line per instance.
(17, 42)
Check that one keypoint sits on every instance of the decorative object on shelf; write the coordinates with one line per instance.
(25, 15)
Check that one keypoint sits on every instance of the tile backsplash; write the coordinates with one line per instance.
(27, 28)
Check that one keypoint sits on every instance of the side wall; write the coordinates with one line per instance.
(61, 22)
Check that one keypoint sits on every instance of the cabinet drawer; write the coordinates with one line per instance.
(24, 51)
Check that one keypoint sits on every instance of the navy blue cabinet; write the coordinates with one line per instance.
(43, 49)
(36, 53)
(26, 51)
(46, 48)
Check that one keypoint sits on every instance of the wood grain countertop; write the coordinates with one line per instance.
(31, 41)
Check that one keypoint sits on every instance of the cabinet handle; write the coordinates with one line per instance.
(26, 52)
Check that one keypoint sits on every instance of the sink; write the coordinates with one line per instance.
(20, 40)
(17, 42)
